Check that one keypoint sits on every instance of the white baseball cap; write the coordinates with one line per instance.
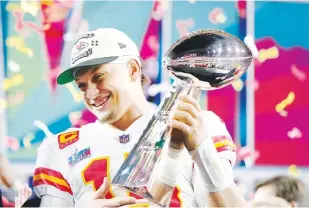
(103, 45)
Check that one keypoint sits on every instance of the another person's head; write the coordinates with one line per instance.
(106, 67)
(286, 187)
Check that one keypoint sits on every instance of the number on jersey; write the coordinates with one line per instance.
(99, 168)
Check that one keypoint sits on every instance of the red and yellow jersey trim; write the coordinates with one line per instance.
(46, 176)
(223, 143)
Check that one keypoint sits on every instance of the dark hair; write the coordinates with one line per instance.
(289, 188)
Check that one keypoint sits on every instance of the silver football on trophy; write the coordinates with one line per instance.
(203, 60)
(215, 58)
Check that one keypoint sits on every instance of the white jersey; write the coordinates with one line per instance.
(73, 164)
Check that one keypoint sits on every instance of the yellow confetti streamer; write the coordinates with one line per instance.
(27, 140)
(270, 53)
(3, 103)
(18, 43)
(12, 6)
(238, 85)
(12, 82)
(76, 96)
(284, 103)
(293, 170)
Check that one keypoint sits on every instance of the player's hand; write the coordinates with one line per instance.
(187, 124)
(100, 201)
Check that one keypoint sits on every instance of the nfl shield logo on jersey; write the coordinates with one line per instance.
(123, 139)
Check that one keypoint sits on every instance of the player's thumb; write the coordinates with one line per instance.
(104, 188)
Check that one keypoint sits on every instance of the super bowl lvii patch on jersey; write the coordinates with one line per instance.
(78, 156)
(67, 139)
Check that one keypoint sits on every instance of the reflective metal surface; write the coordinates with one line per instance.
(203, 60)
(215, 58)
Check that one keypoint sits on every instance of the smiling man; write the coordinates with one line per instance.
(74, 167)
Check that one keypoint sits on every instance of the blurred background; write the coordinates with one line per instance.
(266, 111)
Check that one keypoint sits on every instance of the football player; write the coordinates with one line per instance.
(74, 168)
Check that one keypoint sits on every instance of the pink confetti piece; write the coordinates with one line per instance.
(153, 43)
(183, 26)
(16, 99)
(295, 133)
(13, 143)
(244, 153)
(216, 16)
(300, 75)
(160, 10)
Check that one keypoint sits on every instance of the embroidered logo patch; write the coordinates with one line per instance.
(123, 139)
(79, 47)
(67, 139)
(78, 156)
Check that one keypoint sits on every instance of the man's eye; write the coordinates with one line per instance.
(98, 77)
(81, 86)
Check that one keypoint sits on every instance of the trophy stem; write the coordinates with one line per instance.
(137, 171)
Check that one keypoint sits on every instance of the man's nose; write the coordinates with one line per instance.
(92, 91)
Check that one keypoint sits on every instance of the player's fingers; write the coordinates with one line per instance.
(187, 99)
(118, 201)
(183, 116)
(103, 190)
(180, 126)
(188, 107)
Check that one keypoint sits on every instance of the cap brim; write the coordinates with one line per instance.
(68, 76)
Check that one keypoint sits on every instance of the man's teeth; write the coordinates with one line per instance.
(102, 102)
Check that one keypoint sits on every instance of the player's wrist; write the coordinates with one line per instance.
(168, 167)
(215, 174)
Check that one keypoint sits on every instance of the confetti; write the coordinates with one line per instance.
(251, 45)
(183, 26)
(300, 75)
(295, 133)
(3, 103)
(74, 117)
(18, 43)
(160, 10)
(270, 53)
(16, 99)
(27, 140)
(153, 43)
(283, 113)
(238, 85)
(31, 7)
(43, 127)
(293, 170)
(192, 1)
(216, 16)
(13, 143)
(246, 155)
(284, 103)
(76, 96)
(12, 82)
(13, 66)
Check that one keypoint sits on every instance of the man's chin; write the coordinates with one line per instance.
(105, 117)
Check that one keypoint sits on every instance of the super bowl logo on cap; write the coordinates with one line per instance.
(79, 47)
(67, 139)
(123, 139)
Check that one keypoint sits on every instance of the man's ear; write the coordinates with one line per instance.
(134, 70)
(294, 204)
